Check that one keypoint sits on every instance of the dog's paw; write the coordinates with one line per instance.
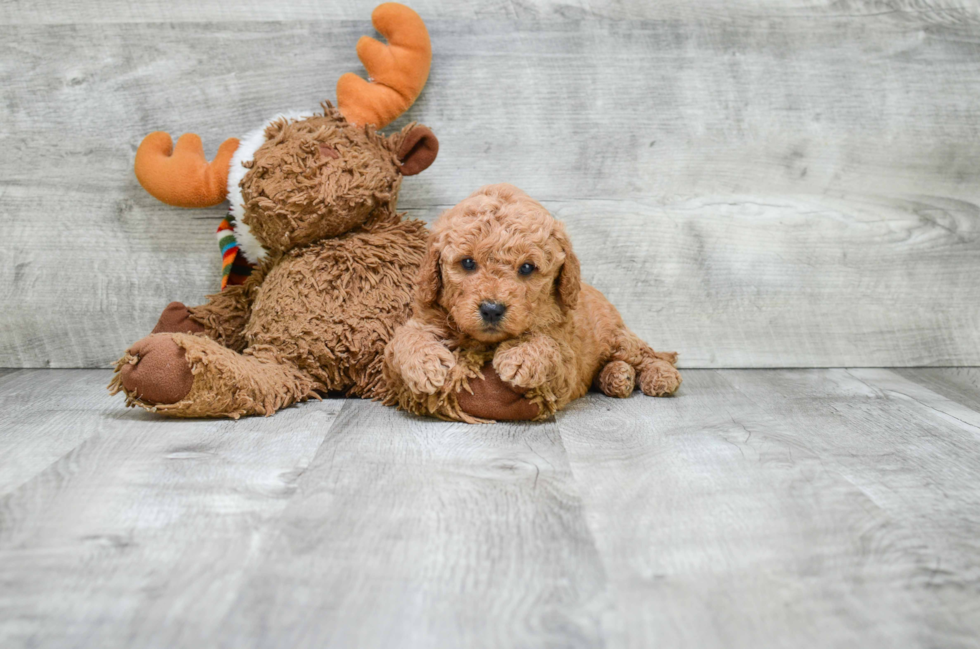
(427, 369)
(617, 379)
(659, 378)
(522, 369)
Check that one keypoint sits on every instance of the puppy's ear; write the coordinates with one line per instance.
(569, 281)
(429, 280)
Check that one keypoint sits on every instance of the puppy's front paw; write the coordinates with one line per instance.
(522, 368)
(427, 369)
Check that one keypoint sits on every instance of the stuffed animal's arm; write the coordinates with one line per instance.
(225, 315)
(418, 356)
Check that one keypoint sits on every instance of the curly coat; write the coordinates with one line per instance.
(556, 339)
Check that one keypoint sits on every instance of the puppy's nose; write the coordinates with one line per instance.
(492, 312)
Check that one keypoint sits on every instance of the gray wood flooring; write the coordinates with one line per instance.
(758, 508)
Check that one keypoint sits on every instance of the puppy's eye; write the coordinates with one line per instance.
(468, 264)
(526, 268)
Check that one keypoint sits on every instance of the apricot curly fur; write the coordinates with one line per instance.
(558, 336)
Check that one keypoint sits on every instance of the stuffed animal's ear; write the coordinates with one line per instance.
(569, 281)
(417, 150)
(429, 280)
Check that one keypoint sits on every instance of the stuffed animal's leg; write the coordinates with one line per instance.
(183, 375)
(225, 314)
(491, 399)
(221, 318)
(176, 319)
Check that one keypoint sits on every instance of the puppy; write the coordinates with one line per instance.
(500, 284)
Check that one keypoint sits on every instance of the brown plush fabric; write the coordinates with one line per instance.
(558, 336)
(294, 195)
(417, 151)
(316, 315)
(176, 318)
(225, 314)
(154, 370)
(492, 399)
(449, 381)
(331, 307)
(226, 383)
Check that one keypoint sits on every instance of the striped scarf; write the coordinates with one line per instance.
(235, 266)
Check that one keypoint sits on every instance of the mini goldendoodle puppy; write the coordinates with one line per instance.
(500, 282)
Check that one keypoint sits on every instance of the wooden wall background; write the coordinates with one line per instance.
(754, 183)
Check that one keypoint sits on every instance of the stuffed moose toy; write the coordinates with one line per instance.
(319, 268)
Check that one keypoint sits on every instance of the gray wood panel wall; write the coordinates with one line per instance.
(753, 183)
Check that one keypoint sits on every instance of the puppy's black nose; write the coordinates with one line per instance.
(492, 312)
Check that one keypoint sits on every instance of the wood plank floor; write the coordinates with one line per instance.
(777, 508)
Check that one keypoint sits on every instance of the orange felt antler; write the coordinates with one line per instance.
(185, 178)
(399, 70)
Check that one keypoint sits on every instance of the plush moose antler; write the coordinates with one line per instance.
(399, 70)
(181, 176)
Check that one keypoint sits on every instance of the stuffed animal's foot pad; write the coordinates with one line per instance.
(176, 319)
(157, 371)
(617, 379)
(427, 369)
(494, 399)
(659, 378)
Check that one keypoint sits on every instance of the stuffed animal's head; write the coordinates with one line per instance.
(305, 176)
(499, 265)
(319, 176)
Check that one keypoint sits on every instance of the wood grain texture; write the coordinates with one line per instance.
(782, 509)
(75, 404)
(810, 281)
(139, 535)
(775, 508)
(116, 11)
(414, 533)
(756, 184)
(960, 384)
(914, 454)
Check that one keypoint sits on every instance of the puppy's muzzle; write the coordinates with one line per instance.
(492, 312)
